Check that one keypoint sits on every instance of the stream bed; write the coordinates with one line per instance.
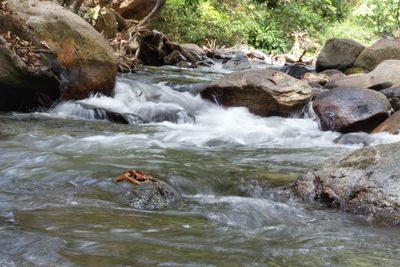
(59, 205)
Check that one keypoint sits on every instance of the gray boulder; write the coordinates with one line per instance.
(380, 51)
(239, 62)
(68, 59)
(386, 74)
(338, 54)
(351, 109)
(264, 92)
(366, 182)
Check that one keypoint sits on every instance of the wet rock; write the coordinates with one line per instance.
(354, 139)
(296, 71)
(195, 51)
(151, 196)
(238, 63)
(174, 58)
(351, 110)
(323, 77)
(264, 92)
(380, 51)
(338, 54)
(183, 64)
(147, 192)
(391, 125)
(385, 74)
(102, 113)
(393, 94)
(154, 48)
(366, 182)
(86, 61)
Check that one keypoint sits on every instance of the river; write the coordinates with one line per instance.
(59, 205)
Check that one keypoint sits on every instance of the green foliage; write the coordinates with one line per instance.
(266, 24)
(383, 16)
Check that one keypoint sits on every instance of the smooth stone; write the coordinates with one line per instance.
(385, 74)
(264, 92)
(338, 53)
(384, 49)
(351, 109)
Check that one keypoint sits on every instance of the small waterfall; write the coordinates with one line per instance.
(135, 102)
(184, 118)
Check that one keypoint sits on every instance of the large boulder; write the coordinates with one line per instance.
(79, 57)
(26, 79)
(366, 182)
(351, 109)
(338, 54)
(264, 92)
(385, 74)
(380, 51)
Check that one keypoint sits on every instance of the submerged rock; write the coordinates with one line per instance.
(383, 76)
(351, 109)
(264, 92)
(147, 192)
(380, 51)
(354, 139)
(338, 54)
(366, 182)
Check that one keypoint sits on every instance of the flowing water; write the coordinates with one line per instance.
(59, 205)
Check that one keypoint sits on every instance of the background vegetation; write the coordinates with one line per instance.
(269, 24)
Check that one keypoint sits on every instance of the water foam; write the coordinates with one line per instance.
(183, 119)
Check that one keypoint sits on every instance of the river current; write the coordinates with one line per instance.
(59, 205)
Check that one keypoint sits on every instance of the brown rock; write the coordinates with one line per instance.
(391, 125)
(264, 92)
(382, 50)
(87, 61)
(134, 9)
(323, 77)
(338, 54)
(351, 109)
(107, 23)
